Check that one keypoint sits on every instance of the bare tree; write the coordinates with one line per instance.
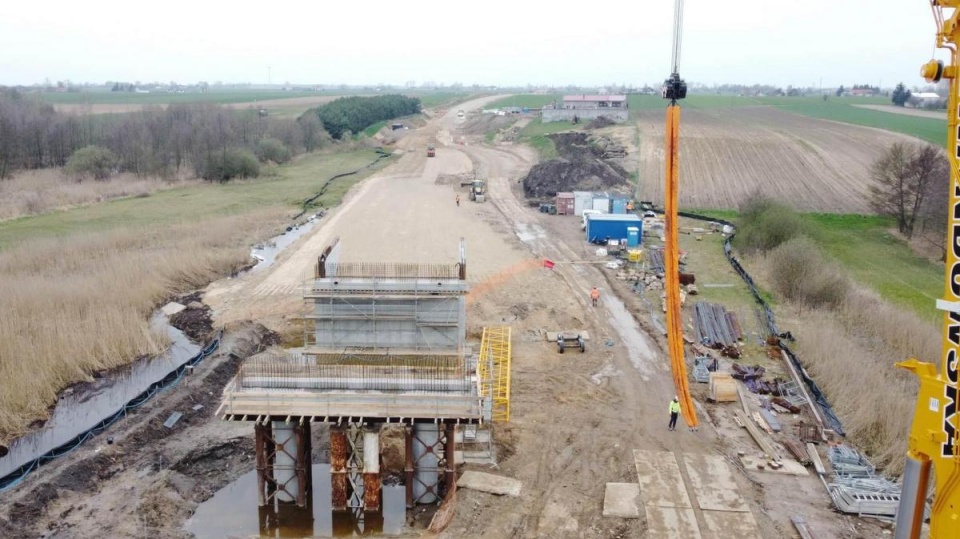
(903, 176)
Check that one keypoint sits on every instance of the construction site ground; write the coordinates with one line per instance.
(578, 421)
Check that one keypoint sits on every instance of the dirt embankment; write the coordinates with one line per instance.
(142, 475)
(581, 167)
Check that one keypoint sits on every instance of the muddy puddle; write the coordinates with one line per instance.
(233, 512)
(81, 408)
(642, 354)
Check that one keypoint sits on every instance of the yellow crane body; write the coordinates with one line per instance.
(933, 441)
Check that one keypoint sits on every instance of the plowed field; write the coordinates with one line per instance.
(726, 154)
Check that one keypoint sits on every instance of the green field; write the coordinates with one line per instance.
(429, 99)
(535, 134)
(532, 101)
(159, 98)
(292, 184)
(873, 256)
(839, 109)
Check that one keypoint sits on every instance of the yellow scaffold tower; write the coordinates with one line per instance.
(493, 370)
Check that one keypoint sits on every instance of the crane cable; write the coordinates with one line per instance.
(677, 34)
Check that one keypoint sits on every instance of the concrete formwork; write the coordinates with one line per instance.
(386, 344)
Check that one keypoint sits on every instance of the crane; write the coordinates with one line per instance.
(933, 440)
(674, 89)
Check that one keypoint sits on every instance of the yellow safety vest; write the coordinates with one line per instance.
(674, 407)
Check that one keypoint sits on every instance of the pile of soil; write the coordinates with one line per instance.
(558, 175)
(600, 122)
(195, 321)
(575, 146)
(580, 168)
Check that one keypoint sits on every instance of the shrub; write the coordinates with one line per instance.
(231, 163)
(765, 224)
(800, 274)
(91, 162)
(271, 149)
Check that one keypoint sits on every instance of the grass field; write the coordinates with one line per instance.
(158, 98)
(874, 257)
(523, 100)
(834, 108)
(535, 134)
(78, 286)
(292, 184)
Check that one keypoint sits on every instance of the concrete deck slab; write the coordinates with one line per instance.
(671, 523)
(494, 484)
(661, 484)
(724, 525)
(713, 483)
(622, 500)
(790, 467)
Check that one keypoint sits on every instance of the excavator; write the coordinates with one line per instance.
(675, 89)
(933, 441)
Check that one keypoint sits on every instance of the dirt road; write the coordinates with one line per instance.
(919, 113)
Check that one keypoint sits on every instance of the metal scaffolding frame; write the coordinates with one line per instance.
(493, 371)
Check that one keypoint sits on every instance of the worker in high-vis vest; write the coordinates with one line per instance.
(594, 296)
(674, 412)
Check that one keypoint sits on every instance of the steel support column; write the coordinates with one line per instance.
(450, 448)
(339, 483)
(371, 468)
(408, 466)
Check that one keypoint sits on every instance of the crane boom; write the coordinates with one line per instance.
(933, 440)
(675, 88)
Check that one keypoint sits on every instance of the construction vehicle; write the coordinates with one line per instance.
(933, 440)
(431, 151)
(478, 190)
(567, 339)
(675, 89)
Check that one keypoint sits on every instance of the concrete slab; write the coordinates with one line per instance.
(671, 523)
(790, 467)
(713, 483)
(661, 484)
(494, 484)
(172, 308)
(622, 500)
(724, 525)
(556, 521)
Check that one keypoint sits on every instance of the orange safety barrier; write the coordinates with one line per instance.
(671, 262)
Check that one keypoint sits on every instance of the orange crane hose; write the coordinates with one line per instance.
(671, 264)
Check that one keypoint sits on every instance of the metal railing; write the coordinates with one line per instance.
(357, 372)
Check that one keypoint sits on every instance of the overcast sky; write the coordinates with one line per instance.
(492, 42)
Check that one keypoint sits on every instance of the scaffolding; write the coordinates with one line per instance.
(493, 371)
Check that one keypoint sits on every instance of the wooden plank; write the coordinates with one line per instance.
(726, 525)
(661, 484)
(802, 528)
(713, 483)
(671, 523)
(743, 400)
(797, 450)
(815, 459)
(758, 436)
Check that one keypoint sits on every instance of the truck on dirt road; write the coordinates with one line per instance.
(431, 151)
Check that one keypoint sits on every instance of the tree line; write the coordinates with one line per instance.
(207, 140)
(354, 114)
